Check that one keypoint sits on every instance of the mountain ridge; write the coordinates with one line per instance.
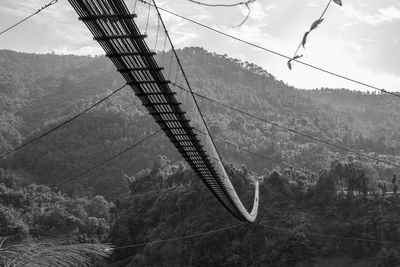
(55, 95)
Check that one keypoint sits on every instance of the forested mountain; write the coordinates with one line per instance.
(379, 114)
(37, 92)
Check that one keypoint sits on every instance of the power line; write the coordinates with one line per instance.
(98, 165)
(189, 236)
(178, 238)
(30, 16)
(61, 124)
(278, 54)
(288, 129)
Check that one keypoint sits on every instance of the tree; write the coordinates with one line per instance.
(277, 179)
(326, 187)
(387, 257)
(359, 178)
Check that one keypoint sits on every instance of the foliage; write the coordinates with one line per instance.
(388, 257)
(296, 218)
(38, 253)
(36, 211)
(298, 210)
(64, 85)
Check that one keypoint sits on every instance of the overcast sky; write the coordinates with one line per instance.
(360, 40)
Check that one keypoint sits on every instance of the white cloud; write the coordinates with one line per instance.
(390, 13)
(251, 33)
(312, 3)
(339, 56)
(201, 17)
(82, 51)
(180, 36)
(258, 11)
(59, 19)
(387, 14)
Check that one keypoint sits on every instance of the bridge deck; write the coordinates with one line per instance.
(114, 28)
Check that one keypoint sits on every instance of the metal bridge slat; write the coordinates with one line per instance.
(167, 112)
(107, 17)
(117, 37)
(149, 82)
(156, 93)
(133, 54)
(127, 70)
(161, 104)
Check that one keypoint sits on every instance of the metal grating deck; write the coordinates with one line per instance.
(116, 31)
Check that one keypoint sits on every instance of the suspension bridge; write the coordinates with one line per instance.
(134, 37)
(127, 30)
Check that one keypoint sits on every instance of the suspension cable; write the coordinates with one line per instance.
(30, 16)
(289, 129)
(278, 53)
(256, 154)
(62, 124)
(178, 238)
(100, 164)
(184, 75)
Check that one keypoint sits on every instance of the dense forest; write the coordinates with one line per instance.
(318, 192)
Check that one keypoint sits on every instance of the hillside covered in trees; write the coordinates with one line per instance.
(37, 92)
